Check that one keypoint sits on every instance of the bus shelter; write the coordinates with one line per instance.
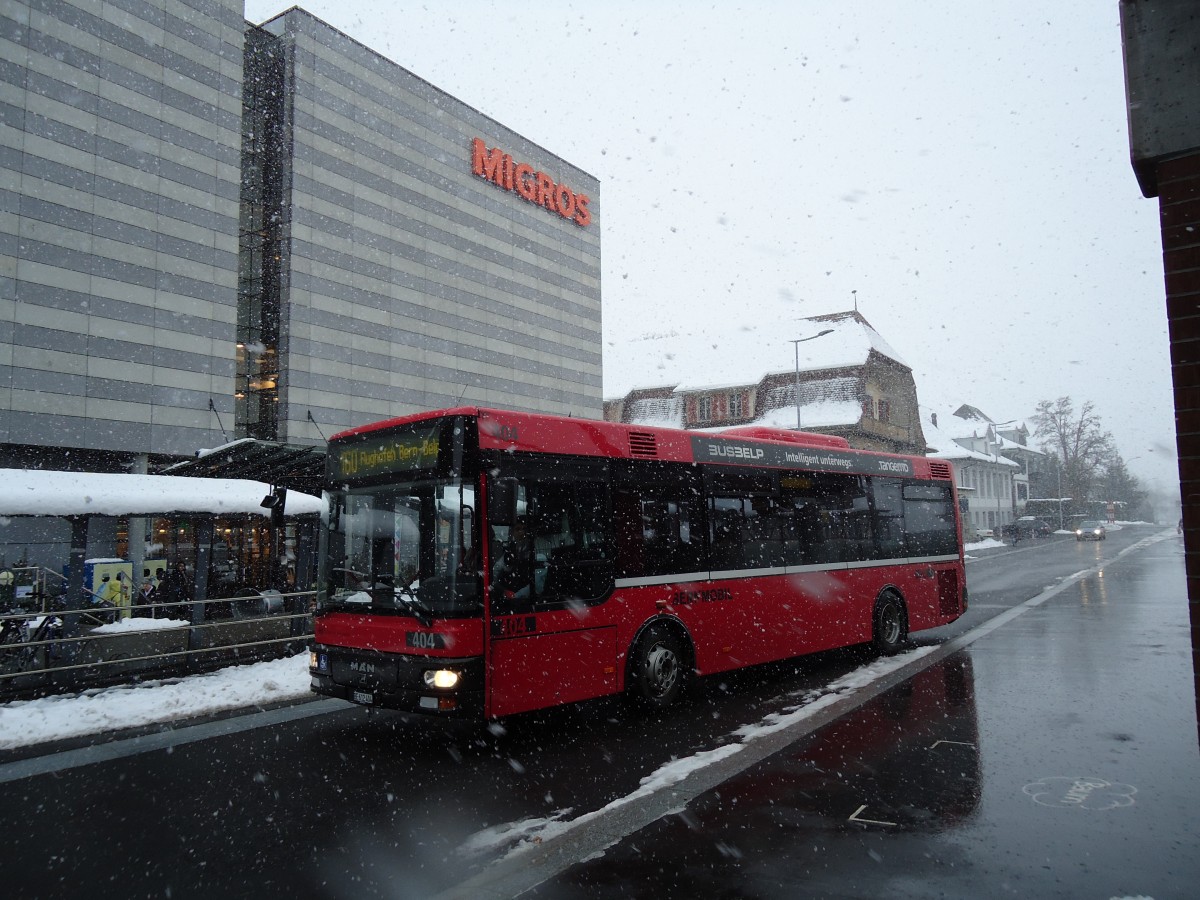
(80, 545)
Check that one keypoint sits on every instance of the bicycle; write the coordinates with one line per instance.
(24, 648)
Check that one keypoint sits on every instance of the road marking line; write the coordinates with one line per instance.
(161, 740)
(854, 818)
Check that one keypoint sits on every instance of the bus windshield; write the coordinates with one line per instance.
(409, 548)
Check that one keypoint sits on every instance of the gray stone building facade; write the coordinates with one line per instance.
(119, 196)
(407, 279)
(212, 230)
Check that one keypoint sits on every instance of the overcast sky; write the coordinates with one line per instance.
(964, 168)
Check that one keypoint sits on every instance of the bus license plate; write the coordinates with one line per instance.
(362, 697)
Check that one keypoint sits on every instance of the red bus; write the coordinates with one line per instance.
(484, 563)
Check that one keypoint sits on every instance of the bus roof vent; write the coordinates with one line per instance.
(642, 443)
(939, 469)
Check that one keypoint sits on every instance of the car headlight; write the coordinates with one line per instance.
(442, 678)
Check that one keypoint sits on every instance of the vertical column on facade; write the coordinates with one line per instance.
(260, 238)
(1179, 211)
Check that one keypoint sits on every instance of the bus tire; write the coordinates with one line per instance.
(889, 627)
(657, 668)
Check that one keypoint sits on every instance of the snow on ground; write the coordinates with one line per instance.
(27, 722)
(985, 544)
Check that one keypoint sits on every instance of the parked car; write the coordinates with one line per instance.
(1090, 530)
(1026, 527)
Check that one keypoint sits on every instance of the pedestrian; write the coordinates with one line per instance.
(106, 595)
(124, 590)
(108, 591)
(172, 589)
(147, 597)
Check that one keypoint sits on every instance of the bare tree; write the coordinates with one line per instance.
(1119, 486)
(1082, 448)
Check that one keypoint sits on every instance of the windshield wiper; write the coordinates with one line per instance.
(423, 613)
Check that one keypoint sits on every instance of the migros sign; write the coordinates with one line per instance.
(538, 188)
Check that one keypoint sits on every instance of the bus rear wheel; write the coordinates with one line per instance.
(889, 630)
(657, 668)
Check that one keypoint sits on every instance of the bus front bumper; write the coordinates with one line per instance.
(398, 681)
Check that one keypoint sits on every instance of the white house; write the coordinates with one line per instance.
(987, 479)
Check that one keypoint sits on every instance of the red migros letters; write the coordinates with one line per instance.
(538, 188)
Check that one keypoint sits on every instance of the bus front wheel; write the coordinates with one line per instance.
(657, 668)
(890, 629)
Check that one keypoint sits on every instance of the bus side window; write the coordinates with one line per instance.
(657, 532)
(929, 516)
(888, 517)
(767, 534)
(727, 527)
(627, 519)
(572, 553)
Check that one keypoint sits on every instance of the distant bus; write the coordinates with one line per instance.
(476, 562)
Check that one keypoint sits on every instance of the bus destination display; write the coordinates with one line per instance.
(391, 453)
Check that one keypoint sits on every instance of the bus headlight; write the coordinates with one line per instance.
(442, 678)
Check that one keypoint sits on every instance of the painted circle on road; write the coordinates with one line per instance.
(1080, 793)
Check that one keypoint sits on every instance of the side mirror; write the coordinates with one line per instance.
(502, 502)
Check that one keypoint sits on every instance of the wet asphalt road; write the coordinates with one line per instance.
(1054, 757)
(1092, 684)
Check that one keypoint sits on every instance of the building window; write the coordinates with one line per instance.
(736, 405)
(868, 408)
(885, 411)
(704, 409)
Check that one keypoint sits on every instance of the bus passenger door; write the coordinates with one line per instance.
(548, 640)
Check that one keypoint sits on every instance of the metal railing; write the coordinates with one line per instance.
(46, 647)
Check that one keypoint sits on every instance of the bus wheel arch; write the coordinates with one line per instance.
(889, 623)
(659, 664)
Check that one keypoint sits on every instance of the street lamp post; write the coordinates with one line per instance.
(797, 342)
(1060, 499)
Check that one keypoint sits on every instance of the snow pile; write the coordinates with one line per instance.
(985, 544)
(52, 718)
(126, 626)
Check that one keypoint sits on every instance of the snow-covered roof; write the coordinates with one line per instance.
(656, 412)
(739, 354)
(1006, 444)
(943, 438)
(827, 414)
(38, 492)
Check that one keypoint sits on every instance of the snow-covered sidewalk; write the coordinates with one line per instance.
(27, 722)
